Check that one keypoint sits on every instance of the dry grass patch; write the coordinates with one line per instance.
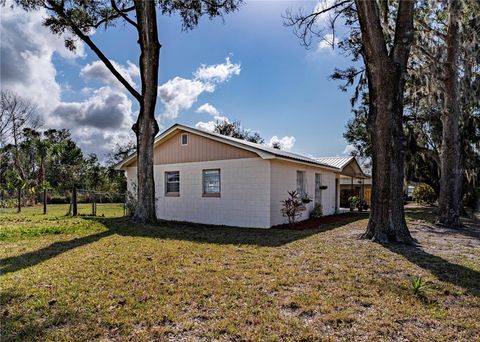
(114, 280)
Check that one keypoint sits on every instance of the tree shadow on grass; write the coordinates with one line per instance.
(223, 235)
(18, 262)
(443, 269)
(172, 231)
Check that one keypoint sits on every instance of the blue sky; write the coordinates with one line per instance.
(279, 88)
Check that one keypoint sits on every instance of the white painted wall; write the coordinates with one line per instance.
(252, 190)
(245, 193)
(284, 179)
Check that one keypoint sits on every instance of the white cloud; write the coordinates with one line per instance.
(349, 148)
(218, 73)
(180, 93)
(286, 143)
(208, 108)
(27, 49)
(26, 52)
(208, 126)
(217, 117)
(98, 71)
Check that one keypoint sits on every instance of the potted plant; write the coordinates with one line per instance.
(361, 204)
(306, 199)
(353, 200)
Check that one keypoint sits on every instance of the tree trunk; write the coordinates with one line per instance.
(44, 201)
(387, 217)
(146, 126)
(19, 198)
(450, 199)
(386, 72)
(74, 202)
(42, 181)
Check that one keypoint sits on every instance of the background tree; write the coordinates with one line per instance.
(234, 129)
(80, 18)
(425, 98)
(16, 114)
(119, 153)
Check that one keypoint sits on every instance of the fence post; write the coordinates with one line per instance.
(44, 201)
(74, 202)
(93, 203)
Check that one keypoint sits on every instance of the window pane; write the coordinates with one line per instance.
(172, 182)
(211, 181)
(173, 187)
(173, 176)
(300, 183)
(184, 139)
(318, 191)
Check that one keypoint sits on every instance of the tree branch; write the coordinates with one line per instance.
(403, 32)
(303, 24)
(122, 13)
(60, 11)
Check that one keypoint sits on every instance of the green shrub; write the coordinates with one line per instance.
(8, 203)
(353, 200)
(424, 194)
(317, 211)
(419, 286)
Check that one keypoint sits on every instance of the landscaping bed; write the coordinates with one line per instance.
(314, 223)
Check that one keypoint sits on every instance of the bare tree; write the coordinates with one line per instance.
(16, 114)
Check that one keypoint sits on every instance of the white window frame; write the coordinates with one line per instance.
(181, 139)
(301, 192)
(170, 193)
(212, 194)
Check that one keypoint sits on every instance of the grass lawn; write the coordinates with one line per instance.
(109, 279)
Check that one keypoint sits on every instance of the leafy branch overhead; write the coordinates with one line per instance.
(80, 19)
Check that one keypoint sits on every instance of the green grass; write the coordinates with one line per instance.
(32, 223)
(110, 279)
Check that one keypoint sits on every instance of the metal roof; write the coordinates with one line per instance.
(339, 162)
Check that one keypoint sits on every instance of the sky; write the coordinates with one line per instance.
(246, 67)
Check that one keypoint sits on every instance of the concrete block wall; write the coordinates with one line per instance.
(244, 200)
(284, 178)
(251, 191)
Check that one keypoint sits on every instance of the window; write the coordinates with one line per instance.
(301, 183)
(184, 139)
(172, 183)
(211, 183)
(318, 190)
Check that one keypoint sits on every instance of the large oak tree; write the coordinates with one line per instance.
(385, 62)
(386, 74)
(80, 18)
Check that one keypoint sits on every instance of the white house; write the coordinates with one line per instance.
(209, 178)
